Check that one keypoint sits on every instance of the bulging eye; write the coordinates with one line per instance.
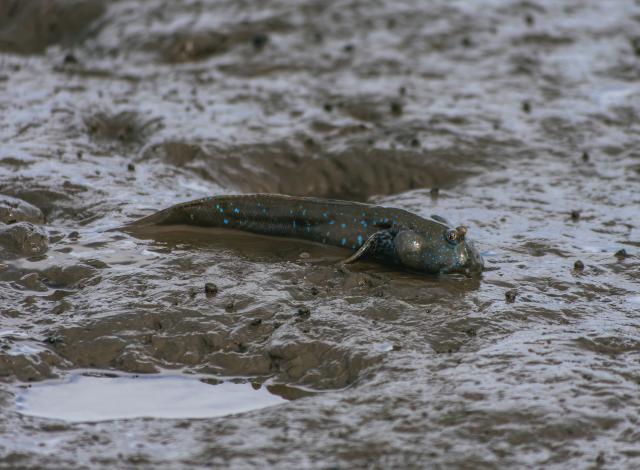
(452, 235)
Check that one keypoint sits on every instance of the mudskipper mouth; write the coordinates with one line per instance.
(470, 261)
(474, 262)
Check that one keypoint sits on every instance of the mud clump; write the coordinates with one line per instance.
(22, 239)
(14, 210)
(30, 26)
(29, 367)
(210, 289)
(510, 296)
(196, 46)
(621, 254)
(125, 128)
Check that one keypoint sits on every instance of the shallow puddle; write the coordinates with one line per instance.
(83, 398)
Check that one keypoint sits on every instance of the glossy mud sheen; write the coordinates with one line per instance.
(525, 115)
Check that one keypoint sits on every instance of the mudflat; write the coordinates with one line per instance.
(520, 120)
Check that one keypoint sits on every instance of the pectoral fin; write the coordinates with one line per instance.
(441, 219)
(368, 247)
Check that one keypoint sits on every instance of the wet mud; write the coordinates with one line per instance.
(517, 119)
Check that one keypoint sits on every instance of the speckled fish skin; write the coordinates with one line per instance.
(399, 237)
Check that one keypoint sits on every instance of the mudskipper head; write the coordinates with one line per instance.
(438, 248)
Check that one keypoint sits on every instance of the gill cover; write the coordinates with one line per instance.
(410, 247)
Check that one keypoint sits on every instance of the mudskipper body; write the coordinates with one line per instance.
(390, 235)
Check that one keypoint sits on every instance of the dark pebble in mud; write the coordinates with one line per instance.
(210, 289)
(529, 20)
(131, 167)
(578, 266)
(435, 192)
(575, 215)
(259, 41)
(585, 156)
(22, 238)
(53, 339)
(70, 59)
(510, 296)
(635, 45)
(466, 42)
(315, 291)
(526, 106)
(328, 107)
(621, 254)
(256, 322)
(600, 458)
(73, 235)
(303, 312)
(396, 108)
(14, 210)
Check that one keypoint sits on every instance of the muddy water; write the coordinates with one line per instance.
(525, 116)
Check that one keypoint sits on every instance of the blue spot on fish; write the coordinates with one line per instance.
(343, 241)
(359, 239)
(236, 210)
(343, 225)
(226, 221)
(331, 222)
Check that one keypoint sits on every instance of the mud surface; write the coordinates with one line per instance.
(524, 115)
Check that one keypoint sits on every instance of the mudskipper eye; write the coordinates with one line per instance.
(452, 235)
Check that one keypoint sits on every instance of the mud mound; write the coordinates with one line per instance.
(357, 173)
(30, 26)
(15, 210)
(22, 239)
